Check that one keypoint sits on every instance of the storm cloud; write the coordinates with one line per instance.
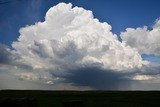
(73, 49)
(97, 78)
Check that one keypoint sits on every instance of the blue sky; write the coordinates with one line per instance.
(119, 14)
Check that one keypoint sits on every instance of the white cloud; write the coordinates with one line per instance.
(144, 40)
(143, 77)
(68, 41)
(157, 24)
(71, 37)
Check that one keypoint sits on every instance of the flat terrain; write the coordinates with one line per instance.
(85, 98)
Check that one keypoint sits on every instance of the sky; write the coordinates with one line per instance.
(80, 44)
(120, 14)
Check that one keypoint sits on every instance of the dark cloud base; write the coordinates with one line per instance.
(98, 79)
(5, 55)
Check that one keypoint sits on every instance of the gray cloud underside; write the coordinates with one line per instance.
(5, 55)
(98, 79)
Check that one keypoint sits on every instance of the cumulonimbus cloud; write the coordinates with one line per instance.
(71, 37)
(70, 46)
(144, 40)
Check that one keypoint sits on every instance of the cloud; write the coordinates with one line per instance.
(72, 37)
(5, 55)
(73, 49)
(144, 40)
(150, 73)
(157, 24)
(97, 78)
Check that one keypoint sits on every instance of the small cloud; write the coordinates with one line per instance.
(144, 40)
(143, 77)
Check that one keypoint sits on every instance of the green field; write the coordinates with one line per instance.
(89, 98)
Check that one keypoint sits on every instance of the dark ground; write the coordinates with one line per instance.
(79, 98)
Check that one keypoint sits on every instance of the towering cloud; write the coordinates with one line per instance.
(72, 37)
(71, 46)
(144, 40)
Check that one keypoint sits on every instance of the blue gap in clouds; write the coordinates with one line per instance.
(152, 58)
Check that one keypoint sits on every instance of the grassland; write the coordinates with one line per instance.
(89, 98)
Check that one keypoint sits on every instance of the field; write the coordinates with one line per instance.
(84, 98)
